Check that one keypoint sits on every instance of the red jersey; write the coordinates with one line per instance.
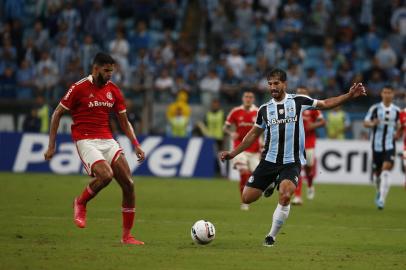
(90, 107)
(310, 116)
(243, 121)
(402, 119)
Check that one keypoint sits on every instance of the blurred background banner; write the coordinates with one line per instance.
(166, 157)
(350, 162)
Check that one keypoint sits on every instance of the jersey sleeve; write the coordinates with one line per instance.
(119, 104)
(306, 102)
(231, 118)
(69, 99)
(371, 114)
(318, 115)
(261, 118)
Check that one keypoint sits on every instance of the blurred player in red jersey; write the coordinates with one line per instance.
(90, 102)
(243, 118)
(312, 119)
(402, 118)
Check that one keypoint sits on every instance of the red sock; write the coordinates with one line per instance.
(243, 180)
(309, 180)
(298, 190)
(128, 219)
(86, 195)
(311, 174)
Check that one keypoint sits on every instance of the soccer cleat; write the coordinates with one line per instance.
(269, 190)
(379, 204)
(79, 214)
(310, 193)
(378, 194)
(245, 207)
(129, 240)
(297, 201)
(269, 241)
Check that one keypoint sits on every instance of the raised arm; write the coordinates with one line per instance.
(356, 90)
(129, 132)
(251, 136)
(55, 119)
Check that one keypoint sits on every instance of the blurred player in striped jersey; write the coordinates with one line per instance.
(312, 119)
(383, 120)
(239, 122)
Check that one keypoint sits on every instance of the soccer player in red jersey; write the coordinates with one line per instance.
(312, 119)
(243, 119)
(402, 118)
(90, 102)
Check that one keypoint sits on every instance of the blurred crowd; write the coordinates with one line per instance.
(222, 48)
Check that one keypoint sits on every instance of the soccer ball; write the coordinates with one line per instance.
(203, 232)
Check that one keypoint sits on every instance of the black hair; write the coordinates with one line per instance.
(278, 73)
(102, 59)
(388, 86)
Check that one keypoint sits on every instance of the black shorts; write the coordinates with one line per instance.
(378, 158)
(268, 172)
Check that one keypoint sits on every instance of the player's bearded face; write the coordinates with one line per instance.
(104, 74)
(276, 87)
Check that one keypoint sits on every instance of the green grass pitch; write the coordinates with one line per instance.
(340, 229)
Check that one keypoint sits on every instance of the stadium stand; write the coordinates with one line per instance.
(323, 44)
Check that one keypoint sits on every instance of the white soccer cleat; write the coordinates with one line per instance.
(310, 193)
(297, 201)
(245, 207)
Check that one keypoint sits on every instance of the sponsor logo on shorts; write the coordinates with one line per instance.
(251, 179)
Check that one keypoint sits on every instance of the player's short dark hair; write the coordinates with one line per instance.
(388, 86)
(278, 73)
(103, 58)
(248, 91)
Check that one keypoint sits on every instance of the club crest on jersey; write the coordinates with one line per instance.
(109, 95)
(281, 111)
(91, 96)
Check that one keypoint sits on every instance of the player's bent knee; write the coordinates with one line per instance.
(284, 198)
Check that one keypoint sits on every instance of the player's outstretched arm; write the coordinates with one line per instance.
(251, 136)
(129, 132)
(356, 90)
(55, 119)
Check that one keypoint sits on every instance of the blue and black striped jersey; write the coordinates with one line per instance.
(284, 135)
(382, 135)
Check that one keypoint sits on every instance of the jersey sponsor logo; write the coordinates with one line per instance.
(282, 121)
(109, 95)
(100, 104)
(246, 124)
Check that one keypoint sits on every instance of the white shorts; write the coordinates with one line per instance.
(404, 157)
(92, 151)
(310, 157)
(246, 161)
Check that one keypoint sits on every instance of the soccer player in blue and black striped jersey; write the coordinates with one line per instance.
(383, 119)
(281, 121)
